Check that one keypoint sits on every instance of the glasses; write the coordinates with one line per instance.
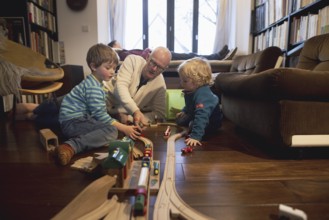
(154, 64)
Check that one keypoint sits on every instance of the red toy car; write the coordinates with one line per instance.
(187, 149)
(166, 134)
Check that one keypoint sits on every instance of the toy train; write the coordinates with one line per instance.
(141, 192)
(142, 189)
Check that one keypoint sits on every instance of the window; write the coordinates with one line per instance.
(181, 25)
(134, 24)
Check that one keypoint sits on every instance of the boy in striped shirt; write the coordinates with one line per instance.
(83, 115)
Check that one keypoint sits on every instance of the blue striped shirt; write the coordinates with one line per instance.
(87, 98)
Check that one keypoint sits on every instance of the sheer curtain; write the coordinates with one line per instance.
(117, 16)
(226, 24)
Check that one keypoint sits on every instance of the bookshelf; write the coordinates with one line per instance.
(38, 19)
(287, 24)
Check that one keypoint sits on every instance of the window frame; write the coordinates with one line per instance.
(171, 25)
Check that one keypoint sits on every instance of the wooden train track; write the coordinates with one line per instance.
(92, 197)
(168, 204)
(92, 202)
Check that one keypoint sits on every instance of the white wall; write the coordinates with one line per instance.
(76, 40)
(94, 18)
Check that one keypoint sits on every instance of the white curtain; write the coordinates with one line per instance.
(117, 11)
(225, 32)
(226, 24)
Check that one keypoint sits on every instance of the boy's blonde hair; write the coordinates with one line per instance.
(197, 69)
(101, 53)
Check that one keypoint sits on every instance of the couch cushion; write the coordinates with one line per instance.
(315, 54)
(256, 62)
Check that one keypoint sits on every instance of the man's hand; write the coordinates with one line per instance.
(139, 119)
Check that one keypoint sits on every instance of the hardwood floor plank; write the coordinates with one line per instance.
(271, 170)
(252, 192)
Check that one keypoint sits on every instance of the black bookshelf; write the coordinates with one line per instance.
(290, 27)
(39, 31)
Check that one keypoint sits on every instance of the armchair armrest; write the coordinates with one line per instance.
(280, 83)
(300, 84)
(220, 65)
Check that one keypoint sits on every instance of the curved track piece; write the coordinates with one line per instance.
(102, 210)
(168, 203)
(93, 196)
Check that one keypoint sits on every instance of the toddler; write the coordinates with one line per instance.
(201, 111)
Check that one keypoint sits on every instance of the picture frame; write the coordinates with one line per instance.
(14, 29)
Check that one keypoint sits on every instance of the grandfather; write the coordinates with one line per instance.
(137, 94)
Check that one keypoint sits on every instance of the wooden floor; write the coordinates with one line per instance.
(230, 177)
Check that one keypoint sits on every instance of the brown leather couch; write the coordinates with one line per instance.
(249, 64)
(282, 103)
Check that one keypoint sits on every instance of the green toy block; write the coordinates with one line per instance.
(175, 102)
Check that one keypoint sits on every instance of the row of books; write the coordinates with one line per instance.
(42, 18)
(42, 43)
(305, 27)
(46, 4)
(268, 13)
(301, 29)
(14, 29)
(275, 36)
(297, 4)
(271, 11)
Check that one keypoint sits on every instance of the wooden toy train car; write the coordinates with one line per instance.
(141, 191)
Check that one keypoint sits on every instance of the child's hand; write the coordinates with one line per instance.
(132, 131)
(180, 114)
(192, 142)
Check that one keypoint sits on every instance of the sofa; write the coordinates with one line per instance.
(216, 65)
(289, 107)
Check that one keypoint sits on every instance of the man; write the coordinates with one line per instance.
(137, 94)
